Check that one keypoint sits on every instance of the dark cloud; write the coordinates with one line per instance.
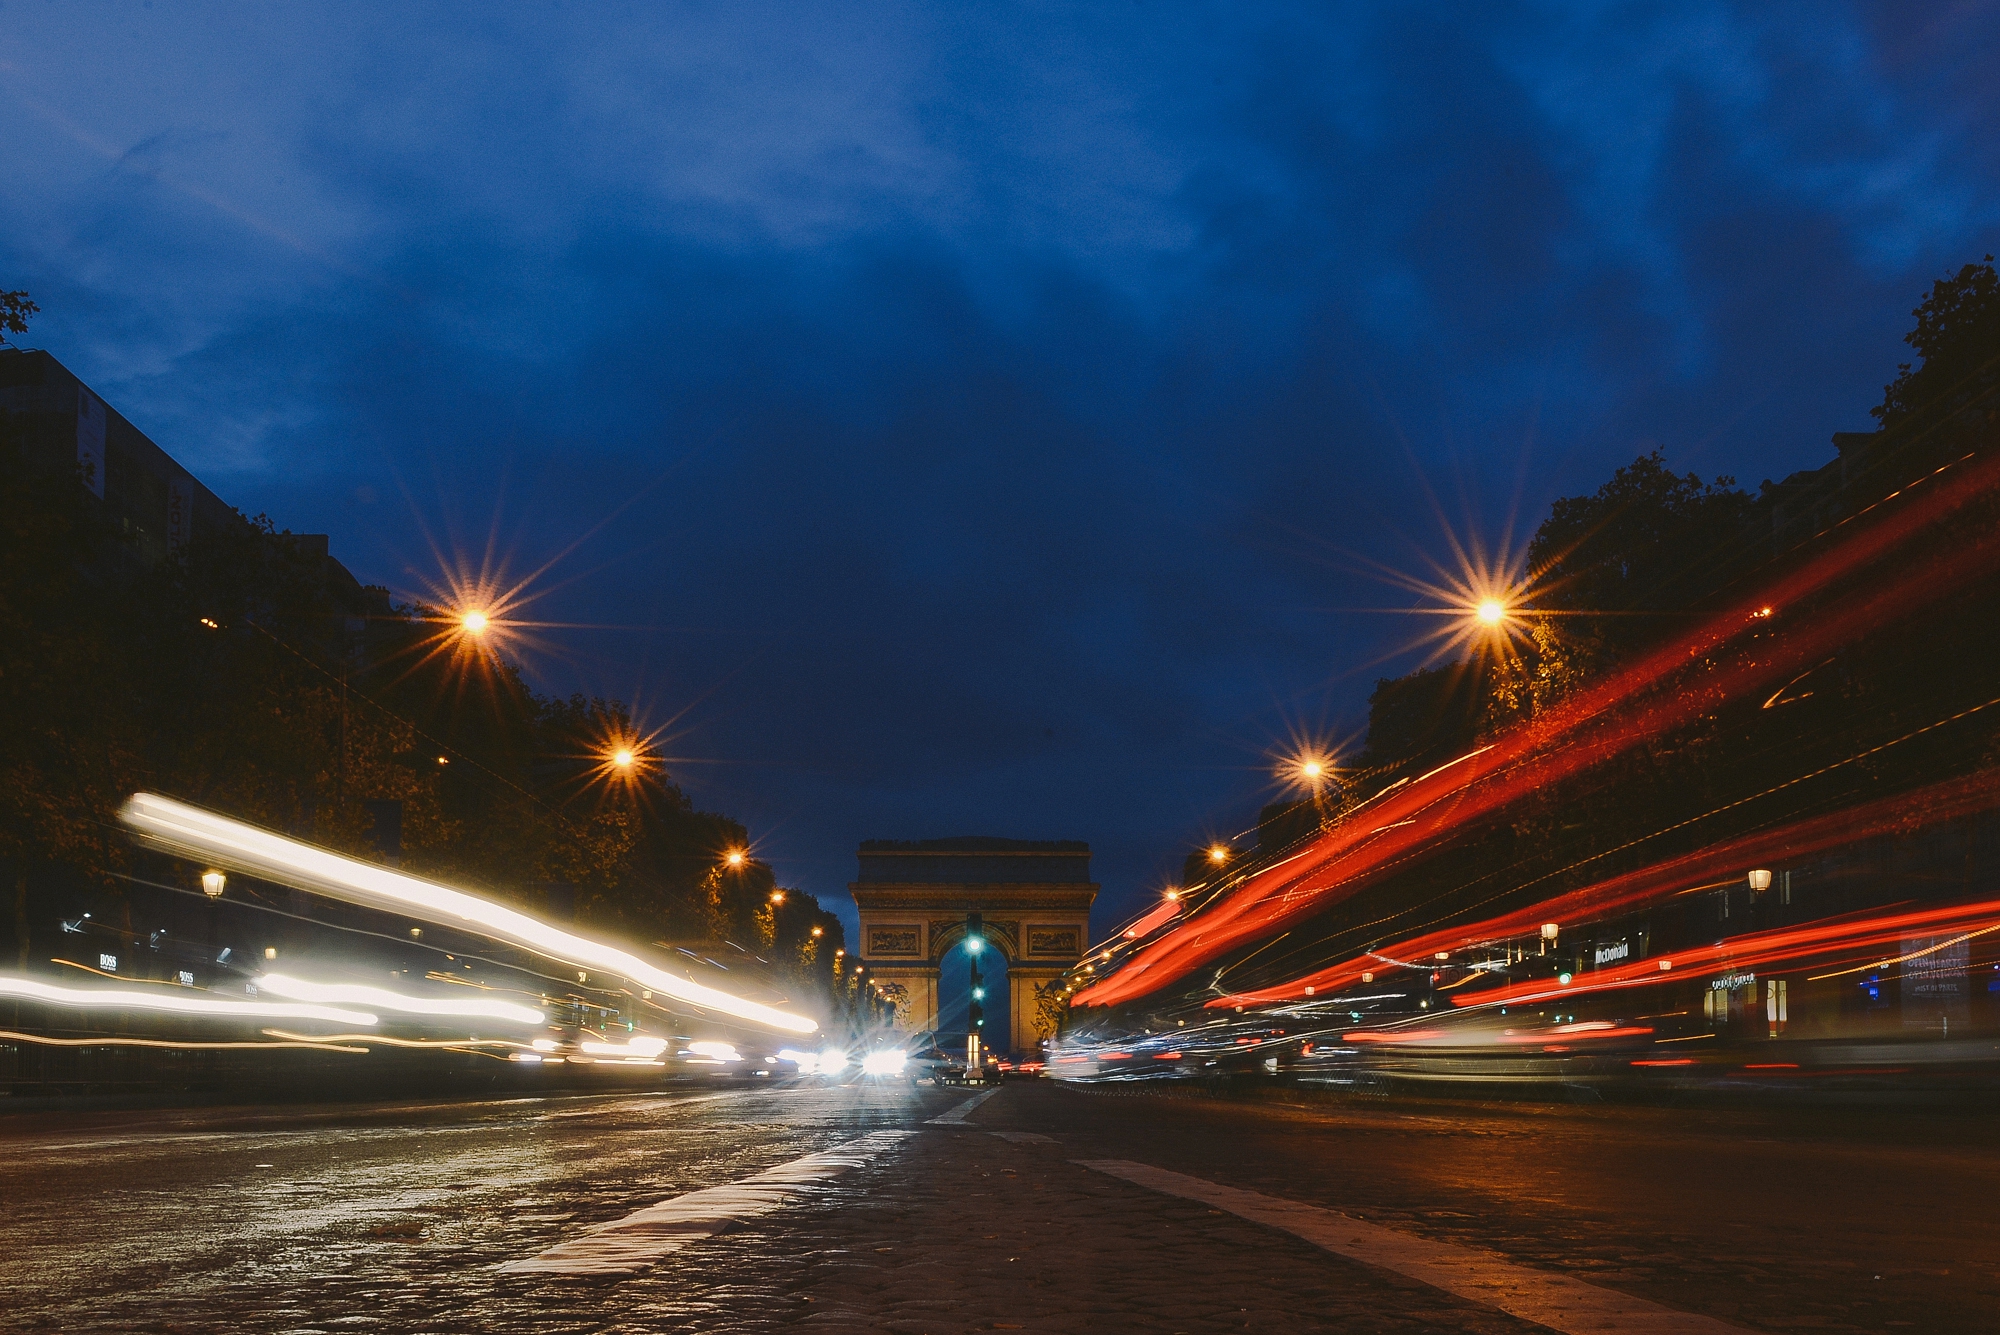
(1005, 392)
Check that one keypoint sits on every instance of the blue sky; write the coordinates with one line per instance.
(1012, 397)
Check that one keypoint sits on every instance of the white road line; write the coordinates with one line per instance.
(956, 1117)
(1541, 1296)
(629, 1245)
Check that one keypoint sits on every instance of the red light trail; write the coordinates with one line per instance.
(1949, 800)
(1602, 722)
(1789, 945)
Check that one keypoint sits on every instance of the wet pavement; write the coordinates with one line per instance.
(402, 1217)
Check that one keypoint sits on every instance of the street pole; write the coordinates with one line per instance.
(975, 1014)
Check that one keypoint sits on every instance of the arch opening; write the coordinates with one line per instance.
(955, 996)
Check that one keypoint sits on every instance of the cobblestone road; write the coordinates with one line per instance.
(399, 1218)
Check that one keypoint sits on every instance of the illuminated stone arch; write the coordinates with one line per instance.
(1033, 897)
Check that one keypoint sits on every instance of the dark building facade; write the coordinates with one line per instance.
(64, 424)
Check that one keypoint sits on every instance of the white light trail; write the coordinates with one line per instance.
(883, 1063)
(205, 836)
(638, 1047)
(381, 998)
(177, 1001)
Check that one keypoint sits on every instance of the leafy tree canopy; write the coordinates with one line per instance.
(1958, 337)
(15, 308)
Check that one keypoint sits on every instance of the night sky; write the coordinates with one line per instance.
(1009, 409)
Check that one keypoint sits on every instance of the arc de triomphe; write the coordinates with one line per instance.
(1034, 897)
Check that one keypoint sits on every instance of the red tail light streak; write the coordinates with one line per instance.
(1743, 652)
(1944, 801)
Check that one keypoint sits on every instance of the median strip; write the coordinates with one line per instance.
(1541, 1296)
(629, 1245)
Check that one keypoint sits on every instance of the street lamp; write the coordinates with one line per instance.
(1218, 853)
(475, 623)
(212, 883)
(734, 857)
(777, 896)
(1760, 880)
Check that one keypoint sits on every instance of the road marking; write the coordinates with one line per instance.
(1023, 1137)
(629, 1245)
(1541, 1296)
(956, 1117)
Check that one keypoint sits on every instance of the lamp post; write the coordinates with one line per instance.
(213, 883)
(975, 1012)
(1760, 881)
